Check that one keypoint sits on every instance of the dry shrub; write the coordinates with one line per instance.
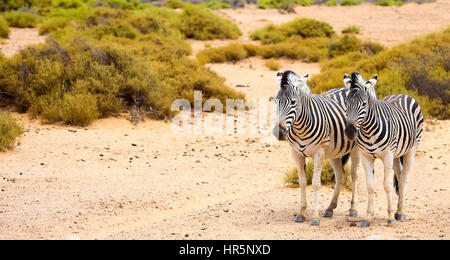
(21, 19)
(304, 27)
(4, 29)
(272, 64)
(327, 176)
(9, 131)
(198, 23)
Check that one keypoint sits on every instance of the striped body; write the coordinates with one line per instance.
(393, 123)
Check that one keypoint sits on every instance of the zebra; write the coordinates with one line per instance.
(389, 129)
(314, 126)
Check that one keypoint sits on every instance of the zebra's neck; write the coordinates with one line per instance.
(303, 120)
(372, 120)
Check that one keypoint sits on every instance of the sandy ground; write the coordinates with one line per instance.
(115, 180)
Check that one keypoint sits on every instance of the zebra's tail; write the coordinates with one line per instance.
(344, 159)
(395, 178)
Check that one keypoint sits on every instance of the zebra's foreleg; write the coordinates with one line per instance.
(408, 161)
(388, 161)
(318, 161)
(368, 163)
(339, 176)
(300, 162)
(354, 156)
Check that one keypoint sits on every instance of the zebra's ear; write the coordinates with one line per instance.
(305, 78)
(371, 83)
(347, 81)
(279, 76)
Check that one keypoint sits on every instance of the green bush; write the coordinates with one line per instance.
(67, 4)
(327, 176)
(4, 29)
(305, 2)
(351, 2)
(287, 5)
(21, 19)
(231, 52)
(9, 131)
(351, 29)
(389, 3)
(331, 3)
(418, 68)
(53, 24)
(345, 45)
(174, 4)
(215, 5)
(272, 64)
(122, 4)
(304, 27)
(79, 109)
(198, 23)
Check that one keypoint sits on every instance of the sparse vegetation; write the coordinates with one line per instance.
(352, 29)
(389, 3)
(304, 27)
(351, 2)
(418, 68)
(272, 64)
(214, 5)
(278, 44)
(331, 3)
(327, 177)
(9, 131)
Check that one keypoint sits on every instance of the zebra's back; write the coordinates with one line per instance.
(409, 112)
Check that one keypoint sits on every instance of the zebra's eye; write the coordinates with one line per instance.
(292, 102)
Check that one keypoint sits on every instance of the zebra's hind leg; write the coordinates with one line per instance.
(408, 161)
(340, 175)
(354, 156)
(300, 162)
(316, 183)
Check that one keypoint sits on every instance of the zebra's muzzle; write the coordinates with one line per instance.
(350, 131)
(279, 132)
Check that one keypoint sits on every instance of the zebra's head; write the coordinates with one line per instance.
(290, 87)
(356, 101)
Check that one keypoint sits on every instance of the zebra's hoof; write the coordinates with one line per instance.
(328, 213)
(401, 218)
(392, 223)
(300, 219)
(353, 213)
(315, 222)
(365, 223)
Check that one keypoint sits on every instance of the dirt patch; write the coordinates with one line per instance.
(386, 25)
(20, 39)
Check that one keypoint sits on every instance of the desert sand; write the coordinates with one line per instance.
(116, 180)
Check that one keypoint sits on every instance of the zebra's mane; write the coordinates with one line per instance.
(358, 82)
(291, 80)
